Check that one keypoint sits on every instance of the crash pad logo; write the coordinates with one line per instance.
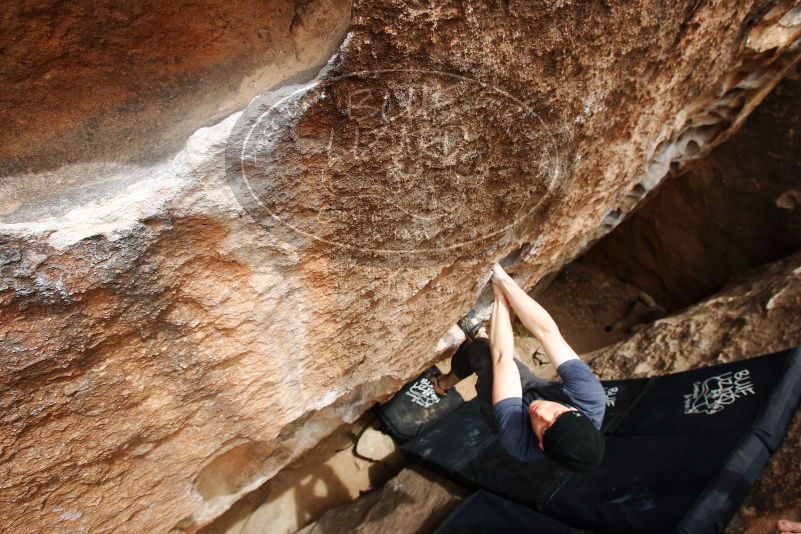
(422, 393)
(712, 395)
(391, 162)
(611, 395)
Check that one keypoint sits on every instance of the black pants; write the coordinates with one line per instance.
(474, 357)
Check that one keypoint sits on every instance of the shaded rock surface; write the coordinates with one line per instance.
(328, 476)
(737, 209)
(414, 501)
(593, 308)
(176, 327)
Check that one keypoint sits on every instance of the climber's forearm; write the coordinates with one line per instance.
(557, 349)
(501, 336)
(506, 377)
(539, 322)
(533, 316)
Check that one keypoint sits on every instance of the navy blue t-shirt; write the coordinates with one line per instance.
(579, 388)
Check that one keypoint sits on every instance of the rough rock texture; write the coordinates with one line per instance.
(738, 208)
(100, 81)
(414, 501)
(375, 445)
(174, 333)
(757, 314)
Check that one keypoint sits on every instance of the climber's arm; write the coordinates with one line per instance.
(556, 349)
(505, 376)
(535, 318)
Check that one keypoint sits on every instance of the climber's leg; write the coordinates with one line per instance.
(461, 367)
(475, 357)
(481, 362)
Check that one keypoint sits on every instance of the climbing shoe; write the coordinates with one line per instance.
(470, 324)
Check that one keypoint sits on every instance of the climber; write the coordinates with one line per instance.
(534, 418)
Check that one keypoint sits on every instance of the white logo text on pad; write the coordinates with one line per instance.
(715, 393)
(422, 393)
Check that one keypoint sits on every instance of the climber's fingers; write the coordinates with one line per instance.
(788, 527)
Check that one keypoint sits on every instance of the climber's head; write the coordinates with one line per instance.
(566, 435)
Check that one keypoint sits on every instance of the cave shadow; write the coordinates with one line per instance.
(308, 504)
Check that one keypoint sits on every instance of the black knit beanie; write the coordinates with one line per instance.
(574, 442)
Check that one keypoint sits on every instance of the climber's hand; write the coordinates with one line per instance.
(788, 527)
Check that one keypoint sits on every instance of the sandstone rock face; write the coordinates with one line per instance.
(129, 82)
(177, 326)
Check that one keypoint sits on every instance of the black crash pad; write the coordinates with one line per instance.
(687, 484)
(757, 394)
(460, 447)
(494, 469)
(453, 441)
(682, 450)
(621, 397)
(415, 407)
(485, 513)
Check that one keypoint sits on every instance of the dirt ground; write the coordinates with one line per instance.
(777, 492)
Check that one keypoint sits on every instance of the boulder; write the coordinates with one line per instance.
(192, 293)
(756, 314)
(375, 445)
